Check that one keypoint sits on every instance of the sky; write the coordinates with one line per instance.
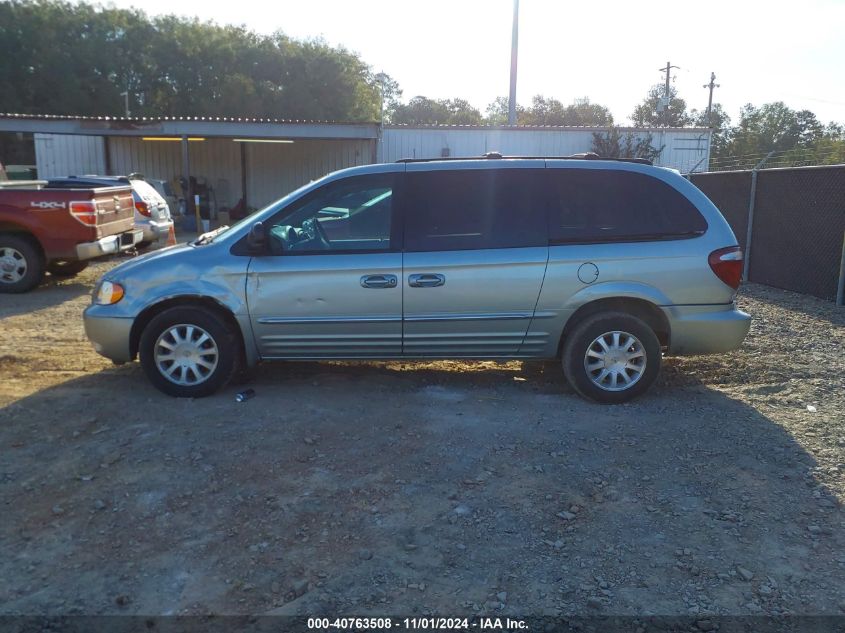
(609, 51)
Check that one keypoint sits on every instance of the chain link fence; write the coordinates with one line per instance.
(798, 224)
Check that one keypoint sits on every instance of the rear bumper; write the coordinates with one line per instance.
(155, 231)
(709, 329)
(108, 245)
(108, 334)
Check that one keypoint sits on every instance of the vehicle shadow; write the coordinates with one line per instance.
(52, 292)
(401, 488)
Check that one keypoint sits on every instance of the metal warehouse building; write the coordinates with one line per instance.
(259, 160)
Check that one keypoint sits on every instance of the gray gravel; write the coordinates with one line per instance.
(423, 488)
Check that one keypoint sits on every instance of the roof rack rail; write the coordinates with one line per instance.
(498, 155)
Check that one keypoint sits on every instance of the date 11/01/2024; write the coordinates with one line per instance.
(502, 624)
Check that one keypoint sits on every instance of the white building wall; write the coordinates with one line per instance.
(273, 169)
(58, 155)
(685, 150)
(217, 162)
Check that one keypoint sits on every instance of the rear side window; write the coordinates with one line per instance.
(593, 205)
(474, 209)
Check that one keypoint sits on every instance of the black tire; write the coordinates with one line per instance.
(220, 333)
(586, 333)
(66, 268)
(21, 263)
(142, 246)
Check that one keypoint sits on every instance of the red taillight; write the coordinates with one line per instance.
(85, 212)
(727, 264)
(143, 208)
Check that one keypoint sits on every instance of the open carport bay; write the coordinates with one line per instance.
(413, 488)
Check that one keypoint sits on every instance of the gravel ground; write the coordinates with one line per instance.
(423, 488)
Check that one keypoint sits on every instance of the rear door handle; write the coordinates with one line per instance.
(426, 280)
(379, 281)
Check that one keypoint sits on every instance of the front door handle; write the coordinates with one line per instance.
(378, 281)
(426, 280)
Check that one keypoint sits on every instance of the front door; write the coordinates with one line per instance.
(476, 250)
(330, 285)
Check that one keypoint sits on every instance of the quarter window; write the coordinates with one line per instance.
(594, 205)
(474, 209)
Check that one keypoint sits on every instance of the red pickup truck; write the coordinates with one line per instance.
(59, 230)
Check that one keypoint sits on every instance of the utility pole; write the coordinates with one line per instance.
(667, 97)
(125, 96)
(711, 85)
(514, 47)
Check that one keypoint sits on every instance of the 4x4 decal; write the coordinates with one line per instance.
(47, 205)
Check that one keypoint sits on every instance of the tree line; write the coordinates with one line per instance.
(68, 58)
(786, 136)
(63, 58)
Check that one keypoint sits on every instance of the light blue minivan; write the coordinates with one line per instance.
(603, 264)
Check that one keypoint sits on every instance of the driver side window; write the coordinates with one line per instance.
(353, 214)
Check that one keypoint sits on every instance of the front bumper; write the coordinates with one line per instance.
(108, 334)
(707, 329)
(108, 245)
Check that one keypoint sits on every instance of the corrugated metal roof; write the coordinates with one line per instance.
(226, 119)
(157, 119)
(579, 128)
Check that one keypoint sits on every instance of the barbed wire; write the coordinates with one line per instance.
(782, 158)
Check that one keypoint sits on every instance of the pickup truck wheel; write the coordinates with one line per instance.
(188, 352)
(66, 269)
(611, 357)
(21, 264)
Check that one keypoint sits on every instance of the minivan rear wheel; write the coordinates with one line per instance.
(611, 357)
(188, 352)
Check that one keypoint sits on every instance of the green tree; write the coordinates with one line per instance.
(615, 144)
(720, 123)
(582, 112)
(461, 112)
(792, 137)
(774, 127)
(420, 110)
(646, 114)
(543, 111)
(425, 111)
(391, 94)
(78, 58)
(550, 111)
(497, 112)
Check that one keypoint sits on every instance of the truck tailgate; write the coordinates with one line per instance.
(115, 210)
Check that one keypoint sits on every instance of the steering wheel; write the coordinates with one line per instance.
(316, 231)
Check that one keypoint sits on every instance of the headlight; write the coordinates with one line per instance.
(108, 293)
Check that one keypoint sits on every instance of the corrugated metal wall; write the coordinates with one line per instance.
(685, 150)
(217, 162)
(273, 169)
(59, 155)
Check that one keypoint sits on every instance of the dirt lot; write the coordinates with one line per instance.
(447, 488)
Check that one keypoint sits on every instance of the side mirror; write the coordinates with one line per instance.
(257, 238)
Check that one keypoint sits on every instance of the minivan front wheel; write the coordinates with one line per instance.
(611, 357)
(188, 352)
